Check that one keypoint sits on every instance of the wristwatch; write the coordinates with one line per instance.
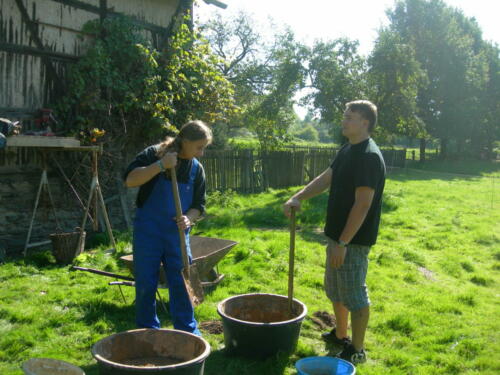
(342, 243)
(162, 167)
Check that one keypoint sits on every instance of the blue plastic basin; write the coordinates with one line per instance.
(324, 366)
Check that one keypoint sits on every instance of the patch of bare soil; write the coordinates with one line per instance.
(427, 273)
(213, 327)
(323, 319)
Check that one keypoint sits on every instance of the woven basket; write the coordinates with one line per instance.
(64, 246)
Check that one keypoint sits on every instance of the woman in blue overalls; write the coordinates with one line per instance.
(156, 237)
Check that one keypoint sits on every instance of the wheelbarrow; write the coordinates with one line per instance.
(207, 252)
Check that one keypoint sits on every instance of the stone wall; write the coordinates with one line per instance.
(20, 174)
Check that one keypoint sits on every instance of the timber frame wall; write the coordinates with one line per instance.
(39, 39)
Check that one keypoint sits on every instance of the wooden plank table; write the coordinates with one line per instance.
(41, 141)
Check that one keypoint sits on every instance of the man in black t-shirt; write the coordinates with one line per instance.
(356, 179)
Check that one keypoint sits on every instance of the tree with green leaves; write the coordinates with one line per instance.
(449, 49)
(395, 77)
(135, 92)
(308, 133)
(189, 73)
(485, 130)
(337, 75)
(271, 114)
(322, 131)
(266, 74)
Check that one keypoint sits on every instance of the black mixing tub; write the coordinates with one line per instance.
(259, 325)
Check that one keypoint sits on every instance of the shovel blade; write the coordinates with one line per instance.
(193, 285)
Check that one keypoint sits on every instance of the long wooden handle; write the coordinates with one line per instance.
(291, 259)
(178, 210)
(103, 273)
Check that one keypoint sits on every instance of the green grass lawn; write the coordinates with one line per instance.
(240, 142)
(460, 167)
(433, 279)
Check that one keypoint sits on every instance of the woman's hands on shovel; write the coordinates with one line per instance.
(189, 219)
(169, 160)
(184, 222)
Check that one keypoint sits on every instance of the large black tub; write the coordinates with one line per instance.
(259, 325)
(151, 351)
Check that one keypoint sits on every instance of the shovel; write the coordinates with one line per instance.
(189, 272)
(291, 261)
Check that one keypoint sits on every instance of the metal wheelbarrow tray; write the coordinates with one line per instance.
(207, 252)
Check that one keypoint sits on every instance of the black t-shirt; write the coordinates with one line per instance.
(354, 166)
(148, 157)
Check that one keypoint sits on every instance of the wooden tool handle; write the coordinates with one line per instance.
(291, 259)
(178, 210)
(103, 273)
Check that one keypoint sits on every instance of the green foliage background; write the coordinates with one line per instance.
(137, 93)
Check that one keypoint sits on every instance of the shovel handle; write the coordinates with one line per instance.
(178, 210)
(291, 259)
(102, 273)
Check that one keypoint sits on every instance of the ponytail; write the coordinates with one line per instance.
(170, 144)
(191, 131)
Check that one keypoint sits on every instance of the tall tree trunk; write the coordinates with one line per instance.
(491, 153)
(422, 149)
(476, 148)
(461, 148)
(444, 149)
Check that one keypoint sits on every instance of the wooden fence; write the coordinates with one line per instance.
(250, 171)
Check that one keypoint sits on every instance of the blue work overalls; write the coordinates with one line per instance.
(156, 239)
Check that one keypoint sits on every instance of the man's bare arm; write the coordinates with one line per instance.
(362, 202)
(313, 188)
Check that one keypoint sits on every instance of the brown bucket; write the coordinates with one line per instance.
(151, 352)
(65, 246)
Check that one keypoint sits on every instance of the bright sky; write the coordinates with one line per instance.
(355, 19)
(331, 19)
